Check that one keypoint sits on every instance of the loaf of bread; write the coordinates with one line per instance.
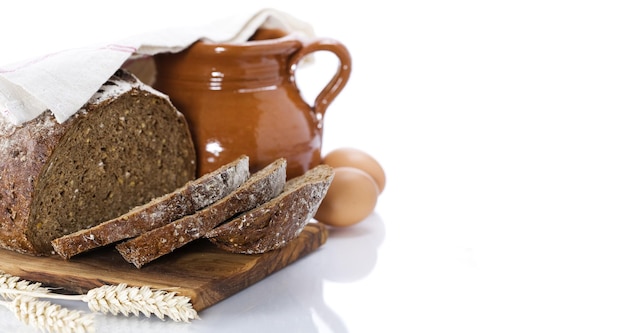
(126, 146)
(186, 200)
(262, 186)
(278, 221)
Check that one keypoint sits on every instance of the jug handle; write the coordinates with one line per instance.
(338, 81)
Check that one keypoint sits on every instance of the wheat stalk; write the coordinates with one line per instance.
(49, 317)
(126, 300)
(109, 299)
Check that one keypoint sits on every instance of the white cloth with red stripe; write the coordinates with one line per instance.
(63, 82)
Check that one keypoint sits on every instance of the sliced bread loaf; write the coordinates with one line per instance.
(259, 188)
(276, 222)
(127, 145)
(186, 200)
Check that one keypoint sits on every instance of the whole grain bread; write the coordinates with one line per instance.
(262, 186)
(278, 221)
(127, 145)
(193, 196)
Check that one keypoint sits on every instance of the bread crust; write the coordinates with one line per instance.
(24, 152)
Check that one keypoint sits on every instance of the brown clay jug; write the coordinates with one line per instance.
(243, 99)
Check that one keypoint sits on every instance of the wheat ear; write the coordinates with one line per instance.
(135, 300)
(10, 282)
(49, 317)
(127, 300)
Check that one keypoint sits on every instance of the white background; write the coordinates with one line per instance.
(501, 125)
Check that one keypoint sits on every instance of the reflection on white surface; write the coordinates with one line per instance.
(292, 300)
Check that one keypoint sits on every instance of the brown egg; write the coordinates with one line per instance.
(351, 197)
(351, 157)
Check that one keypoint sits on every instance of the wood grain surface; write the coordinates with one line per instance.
(199, 270)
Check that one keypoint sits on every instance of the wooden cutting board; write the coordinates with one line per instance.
(199, 270)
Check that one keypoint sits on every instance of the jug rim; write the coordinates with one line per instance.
(223, 47)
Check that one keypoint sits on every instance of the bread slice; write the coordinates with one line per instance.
(194, 195)
(273, 224)
(259, 188)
